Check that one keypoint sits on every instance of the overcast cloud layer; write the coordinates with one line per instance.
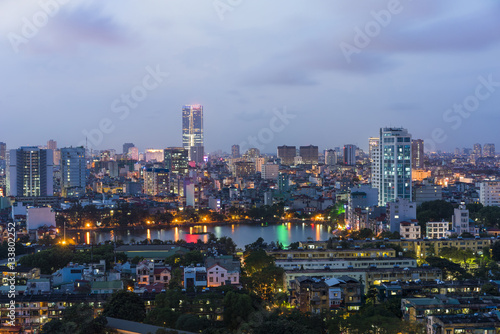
(243, 59)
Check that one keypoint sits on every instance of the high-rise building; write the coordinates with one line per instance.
(155, 155)
(52, 145)
(133, 153)
(309, 154)
(176, 160)
(244, 169)
(283, 182)
(252, 153)
(349, 155)
(73, 171)
(3, 151)
(460, 220)
(417, 154)
(330, 157)
(372, 144)
(489, 193)
(30, 172)
(270, 171)
(126, 146)
(287, 154)
(489, 150)
(192, 131)
(392, 173)
(477, 150)
(156, 181)
(235, 151)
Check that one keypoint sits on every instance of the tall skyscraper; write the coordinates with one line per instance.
(349, 155)
(192, 131)
(489, 150)
(392, 174)
(235, 151)
(30, 172)
(309, 154)
(126, 147)
(330, 157)
(417, 154)
(477, 150)
(3, 151)
(374, 144)
(73, 171)
(287, 154)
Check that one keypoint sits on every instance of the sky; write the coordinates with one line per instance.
(268, 73)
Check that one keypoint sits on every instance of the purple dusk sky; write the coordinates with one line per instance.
(342, 69)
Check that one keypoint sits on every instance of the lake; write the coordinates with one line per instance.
(242, 234)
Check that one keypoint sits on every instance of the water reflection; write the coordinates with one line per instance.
(242, 234)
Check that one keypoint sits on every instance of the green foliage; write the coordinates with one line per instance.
(4, 249)
(237, 308)
(257, 260)
(488, 216)
(125, 305)
(191, 323)
(162, 317)
(77, 319)
(450, 269)
(434, 211)
(294, 245)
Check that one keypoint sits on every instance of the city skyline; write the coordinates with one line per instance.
(338, 79)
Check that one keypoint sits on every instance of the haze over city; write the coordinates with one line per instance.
(342, 69)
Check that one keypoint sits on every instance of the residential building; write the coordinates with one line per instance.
(349, 155)
(489, 150)
(73, 172)
(235, 151)
(30, 172)
(437, 230)
(156, 181)
(126, 147)
(400, 210)
(309, 154)
(392, 174)
(330, 157)
(485, 323)
(222, 270)
(287, 155)
(195, 276)
(489, 193)
(428, 193)
(270, 171)
(409, 230)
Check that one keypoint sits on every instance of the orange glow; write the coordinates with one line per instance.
(87, 238)
(149, 234)
(176, 234)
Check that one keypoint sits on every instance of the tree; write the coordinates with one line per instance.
(191, 323)
(450, 269)
(125, 305)
(237, 308)
(77, 319)
(495, 251)
(434, 211)
(257, 260)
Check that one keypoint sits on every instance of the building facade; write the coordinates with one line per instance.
(192, 131)
(30, 172)
(73, 171)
